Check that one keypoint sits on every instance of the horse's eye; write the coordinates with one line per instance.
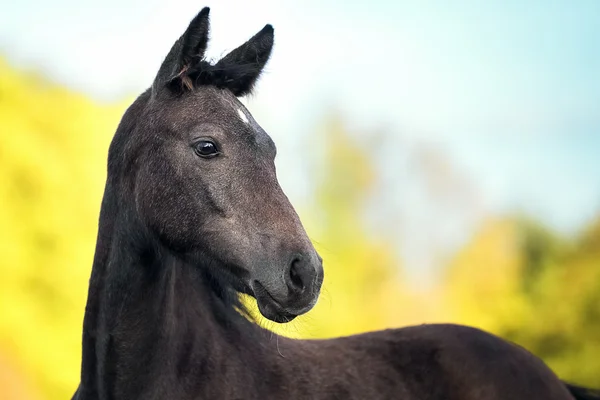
(206, 149)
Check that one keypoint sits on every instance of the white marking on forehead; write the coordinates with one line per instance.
(243, 115)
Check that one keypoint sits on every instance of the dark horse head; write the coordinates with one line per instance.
(202, 175)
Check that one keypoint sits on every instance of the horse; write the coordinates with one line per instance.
(193, 216)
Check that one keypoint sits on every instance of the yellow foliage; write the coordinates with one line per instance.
(52, 167)
(520, 282)
(482, 281)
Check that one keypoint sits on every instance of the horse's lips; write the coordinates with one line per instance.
(269, 307)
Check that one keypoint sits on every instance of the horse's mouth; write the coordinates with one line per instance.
(271, 308)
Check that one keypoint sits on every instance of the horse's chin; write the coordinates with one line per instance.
(271, 309)
(274, 310)
(279, 316)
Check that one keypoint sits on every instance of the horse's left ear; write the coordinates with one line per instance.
(243, 66)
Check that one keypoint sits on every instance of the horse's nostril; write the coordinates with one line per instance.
(295, 280)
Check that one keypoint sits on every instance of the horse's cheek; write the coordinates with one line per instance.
(165, 209)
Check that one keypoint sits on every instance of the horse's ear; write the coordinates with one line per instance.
(188, 50)
(242, 66)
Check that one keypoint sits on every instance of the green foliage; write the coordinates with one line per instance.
(565, 302)
(522, 282)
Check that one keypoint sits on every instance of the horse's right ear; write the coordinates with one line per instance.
(188, 50)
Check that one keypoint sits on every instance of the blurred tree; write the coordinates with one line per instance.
(519, 280)
(362, 288)
(53, 147)
(482, 281)
(562, 284)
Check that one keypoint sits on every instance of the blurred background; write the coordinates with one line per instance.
(444, 157)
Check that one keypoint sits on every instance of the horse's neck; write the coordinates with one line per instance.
(152, 319)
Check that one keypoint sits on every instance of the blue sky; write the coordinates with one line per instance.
(507, 91)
